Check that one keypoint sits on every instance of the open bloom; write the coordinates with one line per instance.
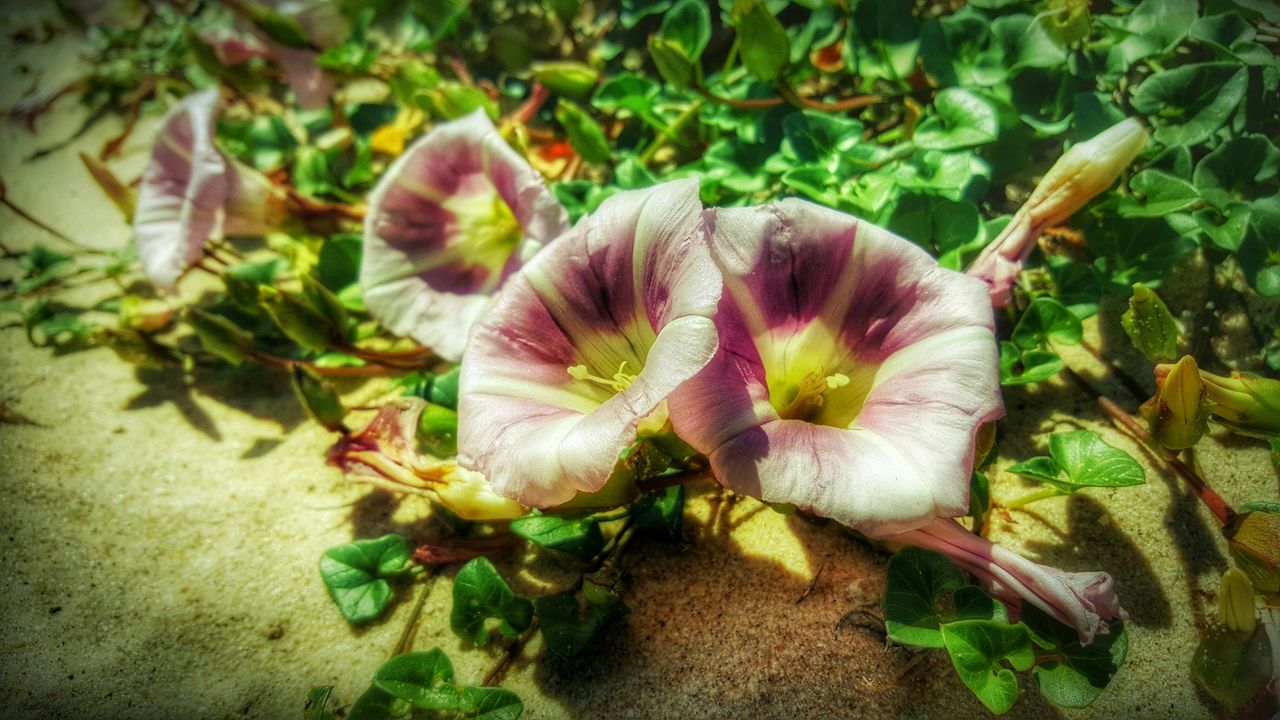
(448, 222)
(191, 193)
(1081, 173)
(585, 342)
(385, 454)
(853, 371)
(1084, 601)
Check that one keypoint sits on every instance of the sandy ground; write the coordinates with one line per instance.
(159, 538)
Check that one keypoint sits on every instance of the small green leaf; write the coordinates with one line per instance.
(480, 593)
(626, 91)
(41, 266)
(1044, 321)
(373, 704)
(660, 513)
(220, 336)
(491, 703)
(1233, 669)
(980, 649)
(964, 119)
(1188, 103)
(355, 574)
(1150, 325)
(1088, 461)
(299, 321)
(568, 623)
(673, 65)
(579, 537)
(585, 134)
(1078, 673)
(1042, 468)
(355, 54)
(763, 41)
(318, 704)
(318, 398)
(688, 24)
(422, 679)
(1161, 194)
(924, 591)
(1021, 367)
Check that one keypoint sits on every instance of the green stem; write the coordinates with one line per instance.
(1041, 494)
(509, 653)
(732, 57)
(661, 140)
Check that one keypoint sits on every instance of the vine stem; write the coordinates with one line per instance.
(854, 103)
(509, 653)
(663, 138)
(1041, 494)
(362, 371)
(666, 481)
(1210, 497)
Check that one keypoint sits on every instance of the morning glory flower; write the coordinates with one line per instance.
(1085, 600)
(191, 193)
(1085, 170)
(449, 221)
(853, 370)
(585, 344)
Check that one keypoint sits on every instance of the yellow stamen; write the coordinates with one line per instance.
(620, 381)
(837, 381)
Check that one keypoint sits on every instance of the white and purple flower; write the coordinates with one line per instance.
(450, 220)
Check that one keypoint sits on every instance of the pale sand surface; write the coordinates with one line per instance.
(160, 539)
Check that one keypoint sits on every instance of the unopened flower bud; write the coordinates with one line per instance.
(1253, 538)
(1245, 404)
(573, 79)
(220, 336)
(319, 398)
(1177, 414)
(438, 431)
(672, 63)
(1235, 602)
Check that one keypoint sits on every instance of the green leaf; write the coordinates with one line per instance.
(1042, 468)
(1154, 27)
(957, 50)
(41, 266)
(374, 704)
(1238, 164)
(688, 24)
(355, 54)
(1078, 673)
(569, 624)
(964, 119)
(1188, 103)
(220, 336)
(338, 262)
(814, 137)
(626, 91)
(355, 574)
(1233, 669)
(318, 398)
(882, 41)
(1088, 461)
(673, 65)
(579, 537)
(585, 133)
(317, 704)
(422, 679)
(1047, 320)
(949, 229)
(980, 649)
(480, 593)
(762, 40)
(491, 703)
(1150, 325)
(1161, 194)
(925, 590)
(979, 500)
(660, 513)
(1021, 367)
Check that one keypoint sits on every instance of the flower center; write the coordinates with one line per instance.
(812, 376)
(487, 228)
(620, 380)
(808, 396)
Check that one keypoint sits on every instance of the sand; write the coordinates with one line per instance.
(160, 537)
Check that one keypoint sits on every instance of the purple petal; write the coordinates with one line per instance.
(232, 46)
(434, 245)
(1085, 601)
(632, 283)
(310, 84)
(816, 296)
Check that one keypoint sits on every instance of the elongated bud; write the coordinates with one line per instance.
(1245, 404)
(319, 398)
(672, 64)
(1085, 170)
(573, 79)
(299, 321)
(1150, 325)
(1253, 538)
(220, 336)
(1178, 414)
(326, 303)
(1235, 602)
